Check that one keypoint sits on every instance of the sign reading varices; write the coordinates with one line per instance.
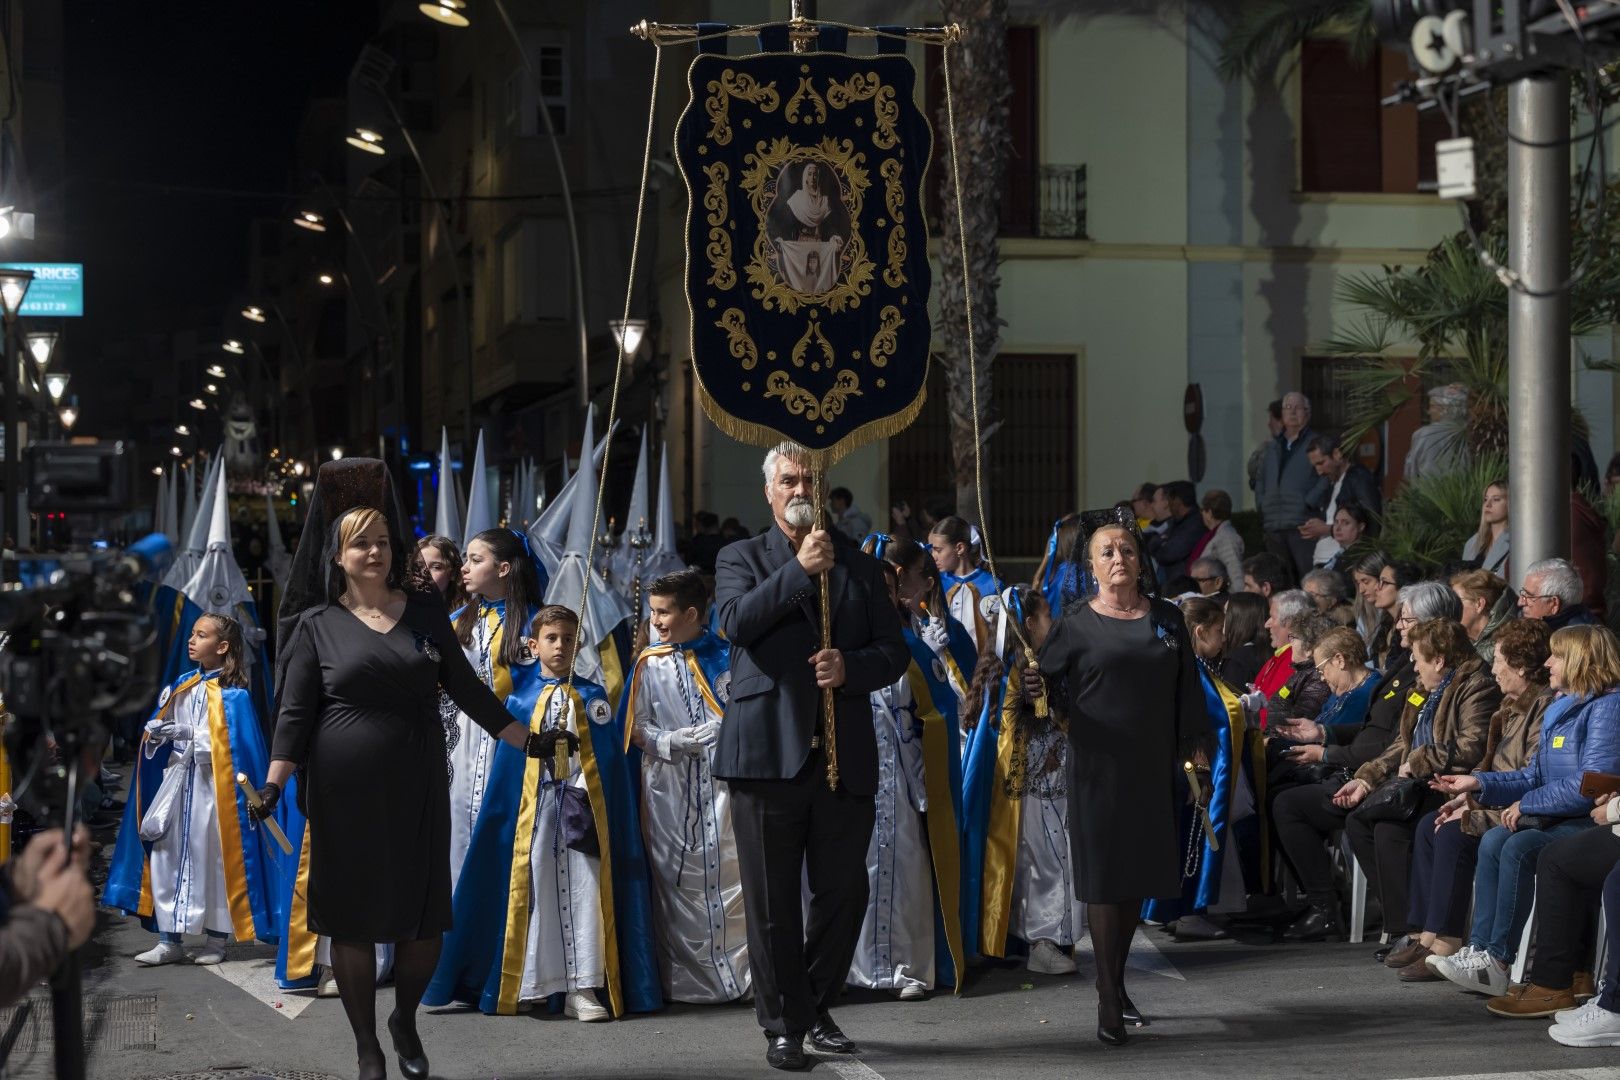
(57, 289)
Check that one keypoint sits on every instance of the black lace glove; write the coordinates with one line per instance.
(542, 744)
(269, 796)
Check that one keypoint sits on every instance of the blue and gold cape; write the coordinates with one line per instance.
(237, 747)
(484, 956)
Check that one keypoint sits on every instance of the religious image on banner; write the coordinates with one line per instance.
(807, 255)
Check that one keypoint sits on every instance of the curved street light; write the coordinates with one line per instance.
(366, 139)
(253, 313)
(309, 219)
(448, 12)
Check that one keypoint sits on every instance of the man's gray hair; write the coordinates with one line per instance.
(1331, 582)
(1215, 566)
(1557, 577)
(1303, 400)
(790, 450)
(1431, 600)
(1290, 604)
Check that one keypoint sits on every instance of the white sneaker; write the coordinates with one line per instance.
(1567, 1016)
(164, 952)
(1591, 1025)
(327, 987)
(582, 1006)
(911, 992)
(1473, 970)
(209, 955)
(1047, 959)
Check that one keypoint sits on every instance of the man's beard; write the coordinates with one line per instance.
(799, 513)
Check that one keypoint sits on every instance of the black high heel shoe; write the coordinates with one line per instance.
(1130, 1013)
(413, 1062)
(1110, 1028)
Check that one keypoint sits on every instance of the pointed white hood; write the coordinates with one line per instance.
(192, 545)
(480, 516)
(447, 519)
(662, 557)
(217, 586)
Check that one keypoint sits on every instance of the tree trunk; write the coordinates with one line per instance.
(979, 91)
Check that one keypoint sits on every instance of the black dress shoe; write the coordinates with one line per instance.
(786, 1052)
(413, 1062)
(825, 1036)
(1320, 923)
(1130, 1013)
(1110, 1027)
(1384, 950)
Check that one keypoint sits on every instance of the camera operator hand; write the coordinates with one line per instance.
(64, 890)
(52, 912)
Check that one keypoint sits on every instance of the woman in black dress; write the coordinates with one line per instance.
(1120, 664)
(361, 666)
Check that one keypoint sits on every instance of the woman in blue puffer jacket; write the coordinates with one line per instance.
(1580, 734)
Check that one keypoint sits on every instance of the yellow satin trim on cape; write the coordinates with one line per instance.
(500, 672)
(612, 668)
(517, 903)
(698, 679)
(1255, 744)
(145, 907)
(301, 941)
(981, 629)
(943, 838)
(230, 826)
(1001, 838)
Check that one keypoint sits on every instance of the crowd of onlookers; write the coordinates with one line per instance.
(1457, 738)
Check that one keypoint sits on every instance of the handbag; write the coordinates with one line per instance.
(578, 823)
(1395, 800)
(160, 811)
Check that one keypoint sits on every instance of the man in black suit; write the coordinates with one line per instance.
(787, 820)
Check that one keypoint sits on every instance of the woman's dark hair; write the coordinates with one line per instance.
(1442, 639)
(1246, 614)
(955, 531)
(456, 594)
(234, 670)
(1357, 513)
(1218, 504)
(522, 594)
(1372, 564)
(1525, 645)
(915, 559)
(1201, 611)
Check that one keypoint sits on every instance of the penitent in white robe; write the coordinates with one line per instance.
(896, 946)
(1045, 905)
(691, 849)
(189, 891)
(471, 751)
(565, 916)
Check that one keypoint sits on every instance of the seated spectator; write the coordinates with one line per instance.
(1341, 481)
(1573, 874)
(1579, 734)
(1552, 593)
(1443, 731)
(1265, 574)
(1488, 549)
(1352, 528)
(1364, 578)
(1447, 841)
(1394, 577)
(1210, 577)
(1487, 603)
(1246, 641)
(1174, 535)
(1279, 667)
(1220, 541)
(1330, 590)
(1306, 692)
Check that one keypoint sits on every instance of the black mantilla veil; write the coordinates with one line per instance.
(315, 579)
(1091, 521)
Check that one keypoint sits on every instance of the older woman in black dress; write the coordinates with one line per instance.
(361, 667)
(1120, 665)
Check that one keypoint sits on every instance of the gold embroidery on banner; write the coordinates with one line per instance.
(738, 339)
(884, 107)
(801, 402)
(734, 84)
(805, 92)
(894, 197)
(764, 164)
(716, 202)
(894, 274)
(812, 336)
(887, 338)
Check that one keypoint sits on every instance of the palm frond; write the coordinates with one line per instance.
(1433, 516)
(1265, 33)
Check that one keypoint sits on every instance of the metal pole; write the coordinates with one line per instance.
(13, 496)
(1538, 325)
(568, 209)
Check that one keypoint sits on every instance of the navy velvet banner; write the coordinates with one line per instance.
(807, 255)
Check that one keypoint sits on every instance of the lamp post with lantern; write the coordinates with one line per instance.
(13, 288)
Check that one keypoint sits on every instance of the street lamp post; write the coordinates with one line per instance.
(13, 287)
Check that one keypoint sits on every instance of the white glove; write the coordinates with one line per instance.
(171, 731)
(1253, 701)
(685, 741)
(707, 733)
(936, 634)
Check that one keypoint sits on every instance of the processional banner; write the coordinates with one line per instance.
(807, 256)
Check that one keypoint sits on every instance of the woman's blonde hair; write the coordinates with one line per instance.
(357, 521)
(1591, 657)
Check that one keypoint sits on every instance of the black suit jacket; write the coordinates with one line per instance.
(769, 609)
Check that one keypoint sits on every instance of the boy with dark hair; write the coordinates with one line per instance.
(671, 711)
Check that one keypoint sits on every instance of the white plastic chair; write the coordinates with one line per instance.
(1358, 893)
(1521, 960)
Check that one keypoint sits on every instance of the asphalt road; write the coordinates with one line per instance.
(1220, 1009)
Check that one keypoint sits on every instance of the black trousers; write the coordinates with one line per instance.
(1296, 552)
(1384, 850)
(789, 831)
(1573, 873)
(1442, 878)
(1304, 817)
